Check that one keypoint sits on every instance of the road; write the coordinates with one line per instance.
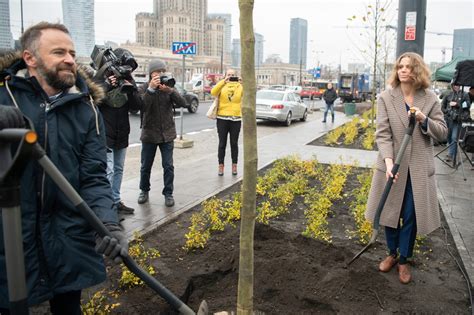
(193, 122)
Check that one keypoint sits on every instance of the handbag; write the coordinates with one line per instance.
(212, 112)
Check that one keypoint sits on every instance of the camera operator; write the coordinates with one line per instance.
(60, 260)
(115, 108)
(455, 107)
(158, 129)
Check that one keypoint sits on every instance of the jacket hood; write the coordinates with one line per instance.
(12, 62)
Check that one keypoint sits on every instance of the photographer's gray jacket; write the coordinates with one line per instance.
(157, 115)
(59, 244)
(456, 113)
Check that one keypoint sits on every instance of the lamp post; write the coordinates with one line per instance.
(21, 13)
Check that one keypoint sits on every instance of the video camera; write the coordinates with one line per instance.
(107, 63)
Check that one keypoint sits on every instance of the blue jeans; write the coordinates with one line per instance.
(115, 162)
(329, 107)
(148, 157)
(453, 130)
(403, 237)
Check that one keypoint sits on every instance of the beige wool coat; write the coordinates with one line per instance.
(392, 121)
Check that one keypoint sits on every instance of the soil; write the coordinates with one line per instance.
(299, 275)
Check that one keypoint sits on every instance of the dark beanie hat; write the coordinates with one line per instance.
(156, 64)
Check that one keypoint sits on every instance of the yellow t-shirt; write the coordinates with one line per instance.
(230, 98)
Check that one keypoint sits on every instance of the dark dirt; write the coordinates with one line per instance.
(299, 275)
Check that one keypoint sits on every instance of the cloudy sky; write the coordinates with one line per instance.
(329, 38)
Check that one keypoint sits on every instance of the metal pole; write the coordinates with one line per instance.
(411, 26)
(21, 12)
(182, 110)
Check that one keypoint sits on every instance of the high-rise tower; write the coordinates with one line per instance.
(298, 41)
(78, 16)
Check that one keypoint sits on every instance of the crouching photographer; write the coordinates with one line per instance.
(455, 107)
(43, 82)
(114, 72)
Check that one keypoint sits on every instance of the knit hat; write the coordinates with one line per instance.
(156, 64)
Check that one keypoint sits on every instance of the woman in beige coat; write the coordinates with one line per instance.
(412, 205)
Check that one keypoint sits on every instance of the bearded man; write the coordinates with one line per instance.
(43, 82)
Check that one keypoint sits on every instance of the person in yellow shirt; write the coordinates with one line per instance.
(229, 117)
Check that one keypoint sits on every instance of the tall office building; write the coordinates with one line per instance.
(298, 41)
(236, 52)
(227, 29)
(258, 49)
(78, 16)
(463, 42)
(6, 38)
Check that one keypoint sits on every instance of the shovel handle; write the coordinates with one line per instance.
(102, 231)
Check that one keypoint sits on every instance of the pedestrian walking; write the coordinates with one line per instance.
(158, 130)
(229, 117)
(329, 97)
(412, 205)
(60, 259)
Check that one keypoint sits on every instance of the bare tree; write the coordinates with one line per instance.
(249, 184)
(377, 43)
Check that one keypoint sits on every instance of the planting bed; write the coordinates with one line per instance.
(295, 274)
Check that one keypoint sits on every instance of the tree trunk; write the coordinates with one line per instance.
(247, 223)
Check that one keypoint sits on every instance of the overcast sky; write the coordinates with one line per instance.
(329, 40)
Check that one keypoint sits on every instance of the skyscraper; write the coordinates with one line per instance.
(78, 16)
(463, 42)
(6, 38)
(236, 52)
(227, 29)
(298, 41)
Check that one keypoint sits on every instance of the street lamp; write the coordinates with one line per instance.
(21, 13)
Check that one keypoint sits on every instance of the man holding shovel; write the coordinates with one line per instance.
(42, 82)
(412, 204)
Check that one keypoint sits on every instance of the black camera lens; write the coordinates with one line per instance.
(234, 79)
(168, 81)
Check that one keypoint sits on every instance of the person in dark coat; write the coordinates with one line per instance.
(158, 130)
(329, 97)
(60, 259)
(455, 107)
(115, 109)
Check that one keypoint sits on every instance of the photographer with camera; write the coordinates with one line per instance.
(158, 128)
(229, 117)
(60, 259)
(122, 97)
(455, 107)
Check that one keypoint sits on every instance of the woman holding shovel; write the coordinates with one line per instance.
(412, 204)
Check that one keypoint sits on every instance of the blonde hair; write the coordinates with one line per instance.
(419, 71)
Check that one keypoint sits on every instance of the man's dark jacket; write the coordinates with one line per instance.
(157, 115)
(58, 243)
(456, 114)
(330, 96)
(116, 119)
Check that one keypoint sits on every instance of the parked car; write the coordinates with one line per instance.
(307, 92)
(295, 88)
(284, 106)
(192, 100)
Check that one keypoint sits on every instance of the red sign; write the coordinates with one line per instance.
(410, 32)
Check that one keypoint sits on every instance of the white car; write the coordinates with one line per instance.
(283, 106)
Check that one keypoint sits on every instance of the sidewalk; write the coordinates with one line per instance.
(196, 178)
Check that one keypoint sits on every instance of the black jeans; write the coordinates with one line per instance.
(68, 303)
(147, 159)
(232, 128)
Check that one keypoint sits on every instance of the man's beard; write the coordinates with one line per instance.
(54, 78)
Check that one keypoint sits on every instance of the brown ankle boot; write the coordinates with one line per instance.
(234, 169)
(220, 170)
(387, 264)
(404, 273)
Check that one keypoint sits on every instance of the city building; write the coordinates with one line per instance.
(236, 53)
(78, 16)
(6, 38)
(258, 49)
(227, 29)
(357, 68)
(298, 41)
(185, 21)
(279, 73)
(463, 43)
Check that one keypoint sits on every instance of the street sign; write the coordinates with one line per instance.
(410, 25)
(410, 33)
(317, 72)
(184, 48)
